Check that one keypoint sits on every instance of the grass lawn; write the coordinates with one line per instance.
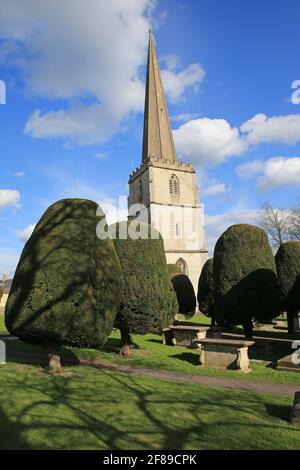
(93, 409)
(150, 353)
(3, 330)
(88, 408)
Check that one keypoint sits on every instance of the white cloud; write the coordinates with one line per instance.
(280, 172)
(24, 234)
(249, 169)
(217, 224)
(80, 124)
(171, 61)
(101, 155)
(9, 197)
(284, 129)
(272, 173)
(216, 188)
(66, 50)
(175, 84)
(184, 117)
(208, 141)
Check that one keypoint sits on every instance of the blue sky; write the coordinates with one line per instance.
(72, 122)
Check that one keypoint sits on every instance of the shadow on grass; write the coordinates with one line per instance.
(187, 357)
(95, 410)
(157, 341)
(278, 411)
(112, 345)
(10, 435)
(36, 355)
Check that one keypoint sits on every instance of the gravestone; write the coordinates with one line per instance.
(295, 412)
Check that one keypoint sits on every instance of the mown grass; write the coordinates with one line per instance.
(92, 409)
(149, 352)
(3, 330)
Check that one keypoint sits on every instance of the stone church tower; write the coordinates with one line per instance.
(163, 191)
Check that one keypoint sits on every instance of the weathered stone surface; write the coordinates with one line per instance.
(214, 332)
(225, 353)
(184, 335)
(286, 364)
(263, 348)
(167, 337)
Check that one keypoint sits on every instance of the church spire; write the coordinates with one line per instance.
(158, 139)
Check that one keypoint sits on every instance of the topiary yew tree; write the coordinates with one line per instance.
(245, 280)
(205, 295)
(173, 269)
(68, 283)
(287, 261)
(149, 301)
(185, 294)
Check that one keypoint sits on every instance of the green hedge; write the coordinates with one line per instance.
(185, 294)
(68, 283)
(245, 279)
(149, 302)
(173, 269)
(288, 268)
(205, 295)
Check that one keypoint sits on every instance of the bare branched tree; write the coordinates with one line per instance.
(277, 223)
(295, 221)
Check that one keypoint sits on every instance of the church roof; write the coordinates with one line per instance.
(158, 140)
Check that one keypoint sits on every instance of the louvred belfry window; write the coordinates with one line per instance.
(174, 186)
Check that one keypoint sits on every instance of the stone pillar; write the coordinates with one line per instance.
(295, 411)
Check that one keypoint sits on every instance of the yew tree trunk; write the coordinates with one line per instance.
(248, 328)
(125, 344)
(54, 359)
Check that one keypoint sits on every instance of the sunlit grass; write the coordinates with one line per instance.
(91, 409)
(149, 352)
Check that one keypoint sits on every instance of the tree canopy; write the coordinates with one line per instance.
(148, 302)
(68, 282)
(245, 279)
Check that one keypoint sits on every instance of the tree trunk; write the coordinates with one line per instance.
(213, 317)
(54, 359)
(248, 329)
(125, 344)
(290, 321)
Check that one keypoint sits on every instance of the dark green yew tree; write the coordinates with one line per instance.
(68, 283)
(185, 294)
(173, 269)
(205, 295)
(246, 286)
(149, 301)
(287, 261)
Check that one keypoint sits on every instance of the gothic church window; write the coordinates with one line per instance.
(182, 266)
(174, 186)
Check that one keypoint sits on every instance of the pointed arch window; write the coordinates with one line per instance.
(174, 186)
(182, 265)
